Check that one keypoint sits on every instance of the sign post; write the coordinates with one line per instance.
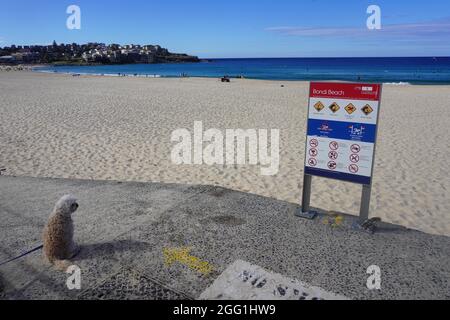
(341, 138)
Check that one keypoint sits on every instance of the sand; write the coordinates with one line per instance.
(110, 128)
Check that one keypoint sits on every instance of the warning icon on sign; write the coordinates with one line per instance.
(333, 155)
(335, 107)
(367, 109)
(354, 158)
(332, 165)
(334, 145)
(312, 162)
(353, 168)
(319, 106)
(355, 148)
(313, 152)
(314, 143)
(350, 108)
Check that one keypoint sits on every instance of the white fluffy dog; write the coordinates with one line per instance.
(59, 246)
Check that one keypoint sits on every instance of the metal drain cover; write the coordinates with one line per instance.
(129, 284)
(244, 281)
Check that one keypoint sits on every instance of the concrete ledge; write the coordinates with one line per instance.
(127, 229)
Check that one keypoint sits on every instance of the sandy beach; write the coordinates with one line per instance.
(111, 128)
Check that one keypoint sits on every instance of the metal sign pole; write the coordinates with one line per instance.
(365, 203)
(364, 212)
(306, 198)
(305, 211)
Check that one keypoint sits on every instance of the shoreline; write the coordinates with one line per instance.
(381, 74)
(152, 76)
(36, 68)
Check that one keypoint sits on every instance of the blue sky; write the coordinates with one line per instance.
(238, 28)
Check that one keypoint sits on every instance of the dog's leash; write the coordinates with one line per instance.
(22, 255)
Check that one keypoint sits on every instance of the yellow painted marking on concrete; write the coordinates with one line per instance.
(183, 256)
(336, 220)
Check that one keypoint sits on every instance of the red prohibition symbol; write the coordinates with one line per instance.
(313, 152)
(333, 155)
(353, 168)
(354, 158)
(334, 145)
(332, 165)
(312, 162)
(314, 143)
(356, 148)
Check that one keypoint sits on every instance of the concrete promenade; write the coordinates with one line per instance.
(163, 241)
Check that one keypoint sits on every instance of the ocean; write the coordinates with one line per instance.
(426, 70)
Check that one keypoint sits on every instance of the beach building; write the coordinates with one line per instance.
(7, 59)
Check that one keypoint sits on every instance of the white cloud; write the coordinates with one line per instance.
(438, 28)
